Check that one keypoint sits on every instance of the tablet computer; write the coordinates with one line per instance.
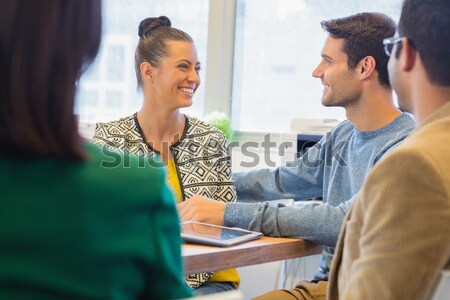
(216, 235)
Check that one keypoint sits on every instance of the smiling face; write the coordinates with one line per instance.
(177, 78)
(341, 86)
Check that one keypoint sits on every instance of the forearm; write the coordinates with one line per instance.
(286, 182)
(319, 223)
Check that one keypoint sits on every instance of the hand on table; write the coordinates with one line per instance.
(202, 209)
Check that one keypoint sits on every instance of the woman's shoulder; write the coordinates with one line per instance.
(198, 126)
(121, 133)
(119, 125)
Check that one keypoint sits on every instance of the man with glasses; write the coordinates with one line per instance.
(353, 71)
(389, 44)
(396, 238)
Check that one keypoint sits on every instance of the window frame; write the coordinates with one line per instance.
(220, 62)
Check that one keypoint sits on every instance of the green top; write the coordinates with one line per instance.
(105, 228)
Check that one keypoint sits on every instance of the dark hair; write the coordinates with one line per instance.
(426, 23)
(152, 47)
(44, 48)
(363, 36)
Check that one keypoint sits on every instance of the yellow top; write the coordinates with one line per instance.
(230, 275)
(172, 180)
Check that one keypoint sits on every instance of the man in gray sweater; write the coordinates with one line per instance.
(353, 71)
(396, 239)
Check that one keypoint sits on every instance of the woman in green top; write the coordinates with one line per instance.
(73, 223)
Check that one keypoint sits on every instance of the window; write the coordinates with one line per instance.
(277, 46)
(108, 90)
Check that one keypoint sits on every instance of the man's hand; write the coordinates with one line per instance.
(202, 209)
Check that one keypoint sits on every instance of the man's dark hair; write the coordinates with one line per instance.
(426, 23)
(44, 48)
(363, 36)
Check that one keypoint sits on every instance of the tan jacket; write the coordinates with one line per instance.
(396, 237)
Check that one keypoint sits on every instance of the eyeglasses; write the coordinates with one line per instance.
(389, 44)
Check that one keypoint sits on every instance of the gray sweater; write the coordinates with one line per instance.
(334, 169)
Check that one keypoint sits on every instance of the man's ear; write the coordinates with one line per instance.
(366, 67)
(147, 71)
(407, 55)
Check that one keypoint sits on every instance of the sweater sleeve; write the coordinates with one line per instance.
(165, 278)
(302, 179)
(101, 136)
(315, 222)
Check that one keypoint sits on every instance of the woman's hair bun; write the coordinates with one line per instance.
(148, 25)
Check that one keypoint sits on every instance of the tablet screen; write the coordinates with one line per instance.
(212, 232)
(215, 235)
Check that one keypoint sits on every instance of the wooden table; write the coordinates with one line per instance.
(198, 258)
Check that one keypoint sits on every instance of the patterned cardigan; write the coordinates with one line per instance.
(200, 155)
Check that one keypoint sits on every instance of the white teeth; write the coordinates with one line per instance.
(187, 90)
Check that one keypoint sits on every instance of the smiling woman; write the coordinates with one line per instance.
(167, 67)
(194, 152)
(108, 89)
